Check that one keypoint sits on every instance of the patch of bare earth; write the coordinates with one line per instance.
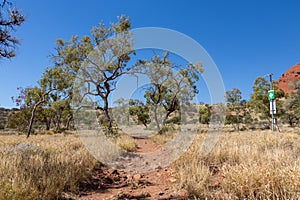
(116, 184)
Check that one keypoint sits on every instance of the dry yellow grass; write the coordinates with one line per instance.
(126, 142)
(245, 165)
(161, 139)
(41, 167)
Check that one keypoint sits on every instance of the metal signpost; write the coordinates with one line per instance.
(273, 112)
(271, 97)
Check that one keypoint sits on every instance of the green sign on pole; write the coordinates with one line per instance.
(271, 95)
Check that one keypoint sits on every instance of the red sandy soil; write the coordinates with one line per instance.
(285, 82)
(115, 184)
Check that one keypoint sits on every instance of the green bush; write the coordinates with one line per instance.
(174, 120)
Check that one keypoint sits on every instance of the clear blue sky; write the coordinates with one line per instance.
(245, 38)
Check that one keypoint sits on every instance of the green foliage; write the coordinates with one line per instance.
(247, 118)
(174, 120)
(170, 85)
(95, 64)
(59, 81)
(231, 119)
(233, 97)
(204, 114)
(19, 119)
(140, 111)
(292, 107)
(236, 107)
(102, 60)
(70, 54)
(49, 102)
(259, 98)
(164, 129)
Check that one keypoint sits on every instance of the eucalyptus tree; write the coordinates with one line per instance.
(49, 100)
(259, 98)
(292, 106)
(29, 100)
(10, 18)
(169, 86)
(204, 114)
(235, 107)
(139, 110)
(94, 62)
(20, 119)
(56, 82)
(105, 60)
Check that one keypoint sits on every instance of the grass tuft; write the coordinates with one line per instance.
(42, 167)
(126, 142)
(246, 165)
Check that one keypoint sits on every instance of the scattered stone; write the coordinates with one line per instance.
(137, 177)
(121, 184)
(214, 184)
(129, 177)
(69, 196)
(158, 168)
(183, 193)
(114, 171)
(172, 180)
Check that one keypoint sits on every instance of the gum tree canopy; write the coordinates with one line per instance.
(98, 61)
(95, 62)
(169, 85)
(10, 18)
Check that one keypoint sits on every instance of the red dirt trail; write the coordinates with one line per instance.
(112, 184)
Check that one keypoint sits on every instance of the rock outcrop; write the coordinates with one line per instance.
(286, 81)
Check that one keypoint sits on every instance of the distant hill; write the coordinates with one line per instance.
(285, 82)
(4, 113)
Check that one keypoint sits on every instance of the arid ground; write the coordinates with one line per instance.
(243, 165)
